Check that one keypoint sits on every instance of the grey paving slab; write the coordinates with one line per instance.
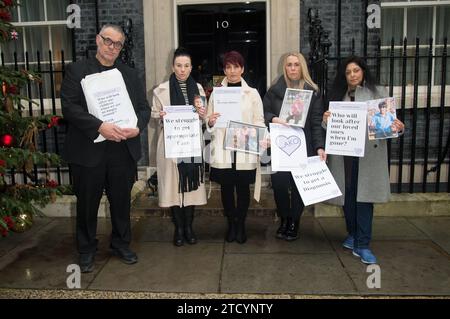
(158, 229)
(41, 262)
(384, 228)
(163, 267)
(407, 268)
(437, 228)
(14, 239)
(261, 238)
(285, 273)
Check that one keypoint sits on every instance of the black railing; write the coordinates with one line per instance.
(418, 80)
(45, 95)
(425, 145)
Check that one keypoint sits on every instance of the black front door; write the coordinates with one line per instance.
(210, 30)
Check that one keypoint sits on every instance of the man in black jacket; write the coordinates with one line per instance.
(109, 165)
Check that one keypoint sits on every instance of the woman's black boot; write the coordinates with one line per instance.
(188, 220)
(231, 232)
(178, 221)
(241, 236)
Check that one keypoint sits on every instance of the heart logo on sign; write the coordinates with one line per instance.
(288, 144)
(358, 150)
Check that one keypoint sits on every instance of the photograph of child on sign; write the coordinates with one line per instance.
(381, 117)
(242, 137)
(295, 106)
(199, 103)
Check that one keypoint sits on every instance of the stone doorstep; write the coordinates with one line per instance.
(65, 206)
(400, 205)
(405, 205)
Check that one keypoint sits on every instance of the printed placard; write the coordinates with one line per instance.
(227, 102)
(182, 136)
(294, 109)
(315, 182)
(288, 147)
(381, 115)
(346, 129)
(244, 137)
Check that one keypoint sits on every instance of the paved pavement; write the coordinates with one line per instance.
(413, 253)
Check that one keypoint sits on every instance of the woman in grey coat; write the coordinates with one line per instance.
(365, 180)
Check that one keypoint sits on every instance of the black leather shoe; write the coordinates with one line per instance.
(281, 231)
(87, 262)
(292, 230)
(126, 255)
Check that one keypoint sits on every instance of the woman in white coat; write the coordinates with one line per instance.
(235, 170)
(180, 181)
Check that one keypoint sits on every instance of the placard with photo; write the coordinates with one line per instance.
(294, 109)
(244, 137)
(381, 115)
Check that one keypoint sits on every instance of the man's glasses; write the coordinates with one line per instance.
(107, 41)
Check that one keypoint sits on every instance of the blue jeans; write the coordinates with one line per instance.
(358, 215)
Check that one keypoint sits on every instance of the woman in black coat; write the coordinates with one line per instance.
(287, 198)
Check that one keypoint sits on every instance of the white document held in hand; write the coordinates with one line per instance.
(315, 182)
(289, 149)
(108, 100)
(227, 102)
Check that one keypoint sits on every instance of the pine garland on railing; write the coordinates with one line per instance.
(18, 143)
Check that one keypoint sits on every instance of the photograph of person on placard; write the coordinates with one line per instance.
(243, 137)
(294, 109)
(199, 103)
(296, 112)
(253, 140)
(381, 117)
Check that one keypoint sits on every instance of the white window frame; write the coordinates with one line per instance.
(47, 102)
(47, 23)
(422, 89)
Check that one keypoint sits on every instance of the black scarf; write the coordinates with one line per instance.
(190, 170)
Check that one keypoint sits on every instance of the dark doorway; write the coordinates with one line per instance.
(210, 30)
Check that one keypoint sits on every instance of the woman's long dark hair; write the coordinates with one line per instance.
(340, 85)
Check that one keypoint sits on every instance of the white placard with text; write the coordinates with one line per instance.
(288, 147)
(346, 129)
(227, 102)
(315, 182)
(182, 136)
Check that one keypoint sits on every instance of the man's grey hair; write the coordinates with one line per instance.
(115, 27)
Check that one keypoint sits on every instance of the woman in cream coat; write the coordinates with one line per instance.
(235, 170)
(180, 185)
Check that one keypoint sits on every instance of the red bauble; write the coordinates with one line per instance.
(6, 140)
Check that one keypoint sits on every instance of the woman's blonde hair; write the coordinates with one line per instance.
(304, 73)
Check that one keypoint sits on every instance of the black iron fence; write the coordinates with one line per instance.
(418, 76)
(46, 97)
